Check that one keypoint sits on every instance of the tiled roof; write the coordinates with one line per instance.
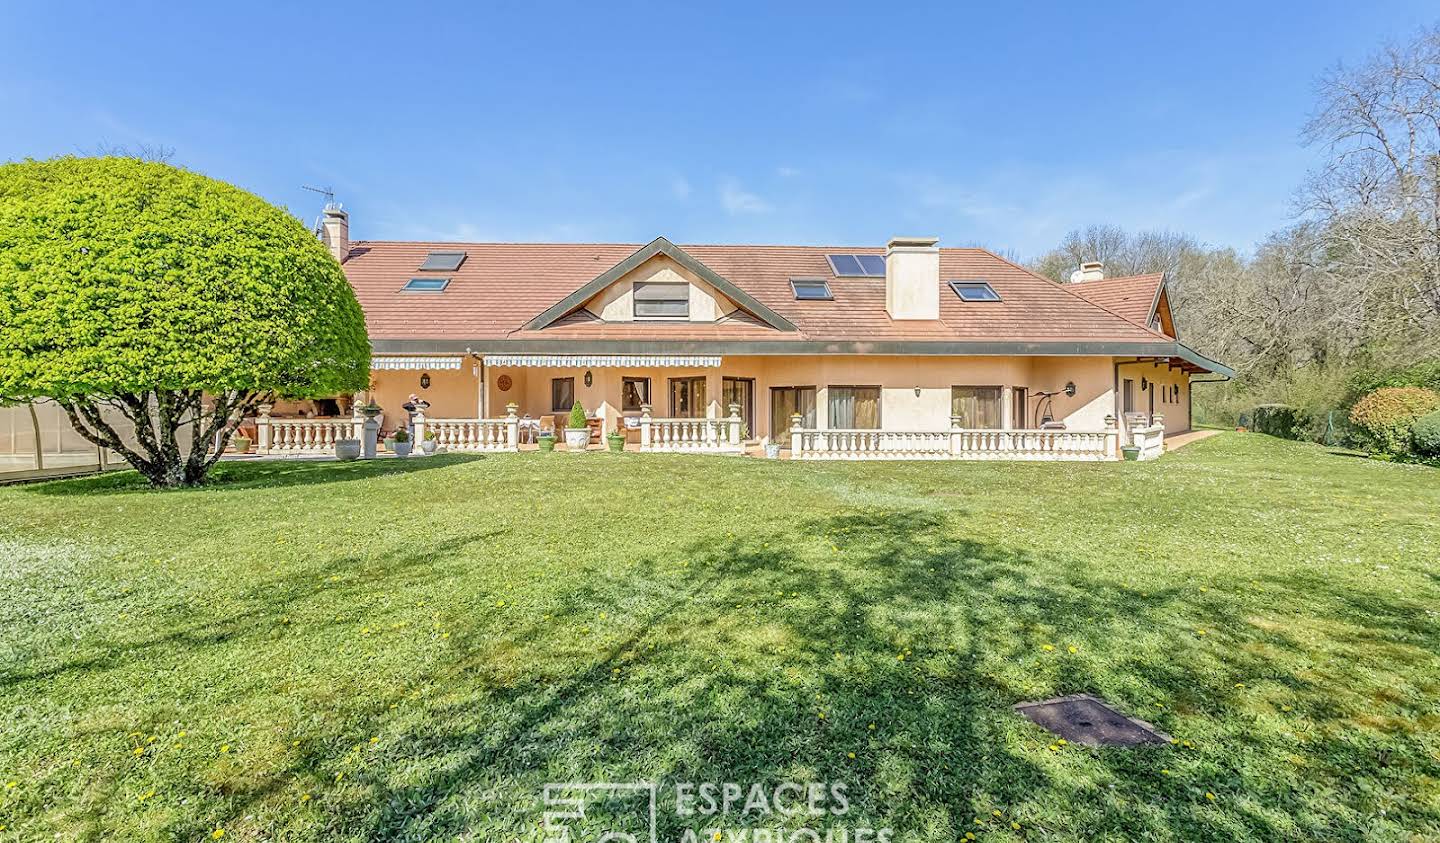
(1132, 296)
(502, 286)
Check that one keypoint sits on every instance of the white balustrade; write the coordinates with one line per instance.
(706, 435)
(302, 436)
(954, 444)
(474, 435)
(1150, 439)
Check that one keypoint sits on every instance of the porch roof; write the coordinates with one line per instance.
(596, 361)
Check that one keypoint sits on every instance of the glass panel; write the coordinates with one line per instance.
(1129, 393)
(443, 261)
(634, 392)
(810, 290)
(687, 398)
(854, 407)
(562, 394)
(974, 291)
(653, 309)
(426, 285)
(977, 406)
(845, 265)
(786, 401)
(740, 391)
(872, 265)
(1019, 412)
(661, 291)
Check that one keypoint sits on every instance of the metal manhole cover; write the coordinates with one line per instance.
(1088, 720)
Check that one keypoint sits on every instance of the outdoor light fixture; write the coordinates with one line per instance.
(1144, 384)
(917, 392)
(425, 380)
(1070, 389)
(589, 378)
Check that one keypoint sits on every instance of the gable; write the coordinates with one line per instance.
(679, 261)
(1162, 315)
(616, 303)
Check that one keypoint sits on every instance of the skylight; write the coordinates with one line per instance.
(811, 289)
(857, 266)
(443, 261)
(974, 291)
(426, 285)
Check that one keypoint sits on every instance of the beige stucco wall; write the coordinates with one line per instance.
(616, 304)
(1159, 376)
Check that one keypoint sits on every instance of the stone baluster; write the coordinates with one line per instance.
(644, 427)
(263, 430)
(1112, 438)
(512, 426)
(795, 444)
(417, 430)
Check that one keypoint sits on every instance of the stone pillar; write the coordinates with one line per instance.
(957, 443)
(734, 425)
(512, 426)
(1112, 438)
(644, 427)
(795, 439)
(262, 430)
(357, 420)
(368, 440)
(417, 431)
(1007, 409)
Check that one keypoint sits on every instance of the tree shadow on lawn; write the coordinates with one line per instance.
(227, 476)
(775, 662)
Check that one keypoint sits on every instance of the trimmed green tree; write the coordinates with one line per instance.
(160, 307)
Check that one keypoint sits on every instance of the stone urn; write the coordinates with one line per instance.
(347, 449)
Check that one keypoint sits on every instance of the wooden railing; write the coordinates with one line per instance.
(957, 443)
(301, 436)
(712, 436)
(471, 434)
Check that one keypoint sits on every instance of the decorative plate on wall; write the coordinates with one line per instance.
(504, 383)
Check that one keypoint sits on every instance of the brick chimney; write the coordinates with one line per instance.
(1088, 271)
(912, 278)
(335, 231)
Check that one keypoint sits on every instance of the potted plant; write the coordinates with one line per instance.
(402, 443)
(347, 449)
(429, 443)
(577, 435)
(389, 443)
(616, 440)
(1131, 452)
(241, 443)
(546, 440)
(772, 449)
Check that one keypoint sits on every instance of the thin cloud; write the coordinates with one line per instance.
(736, 200)
(680, 187)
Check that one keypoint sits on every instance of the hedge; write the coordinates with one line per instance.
(1386, 416)
(1426, 435)
(1280, 420)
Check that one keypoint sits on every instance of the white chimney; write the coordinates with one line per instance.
(912, 278)
(1088, 271)
(335, 231)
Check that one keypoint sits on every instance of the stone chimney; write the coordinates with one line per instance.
(335, 231)
(912, 278)
(1088, 271)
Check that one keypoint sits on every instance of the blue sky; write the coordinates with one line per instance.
(730, 123)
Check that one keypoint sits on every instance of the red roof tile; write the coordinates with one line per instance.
(502, 286)
(1132, 296)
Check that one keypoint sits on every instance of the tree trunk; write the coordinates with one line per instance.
(39, 445)
(157, 418)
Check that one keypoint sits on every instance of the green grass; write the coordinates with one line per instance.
(411, 650)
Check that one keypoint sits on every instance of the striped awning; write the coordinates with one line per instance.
(388, 363)
(596, 361)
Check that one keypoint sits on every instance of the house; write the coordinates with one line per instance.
(853, 351)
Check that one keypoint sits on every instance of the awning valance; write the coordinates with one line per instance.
(597, 361)
(389, 363)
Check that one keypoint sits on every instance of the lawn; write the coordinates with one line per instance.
(411, 650)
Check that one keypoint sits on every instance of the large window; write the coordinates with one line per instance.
(786, 401)
(854, 407)
(661, 300)
(687, 398)
(1128, 393)
(739, 391)
(562, 394)
(977, 406)
(634, 392)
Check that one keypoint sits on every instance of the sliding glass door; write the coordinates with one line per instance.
(739, 391)
(785, 401)
(853, 407)
(687, 398)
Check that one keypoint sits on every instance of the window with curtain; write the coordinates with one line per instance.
(786, 401)
(854, 407)
(661, 300)
(739, 391)
(977, 406)
(634, 392)
(562, 394)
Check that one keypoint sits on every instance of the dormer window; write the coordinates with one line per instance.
(661, 300)
(974, 291)
(444, 261)
(811, 289)
(426, 285)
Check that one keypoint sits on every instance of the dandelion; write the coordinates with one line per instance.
(139, 750)
(872, 727)
(1073, 649)
(851, 756)
(969, 835)
(1285, 708)
(900, 657)
(995, 813)
(1239, 684)
(1199, 632)
(217, 833)
(1015, 826)
(304, 797)
(1164, 772)
(145, 796)
(1210, 796)
(1048, 647)
(11, 785)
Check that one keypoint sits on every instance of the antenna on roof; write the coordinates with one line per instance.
(329, 194)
